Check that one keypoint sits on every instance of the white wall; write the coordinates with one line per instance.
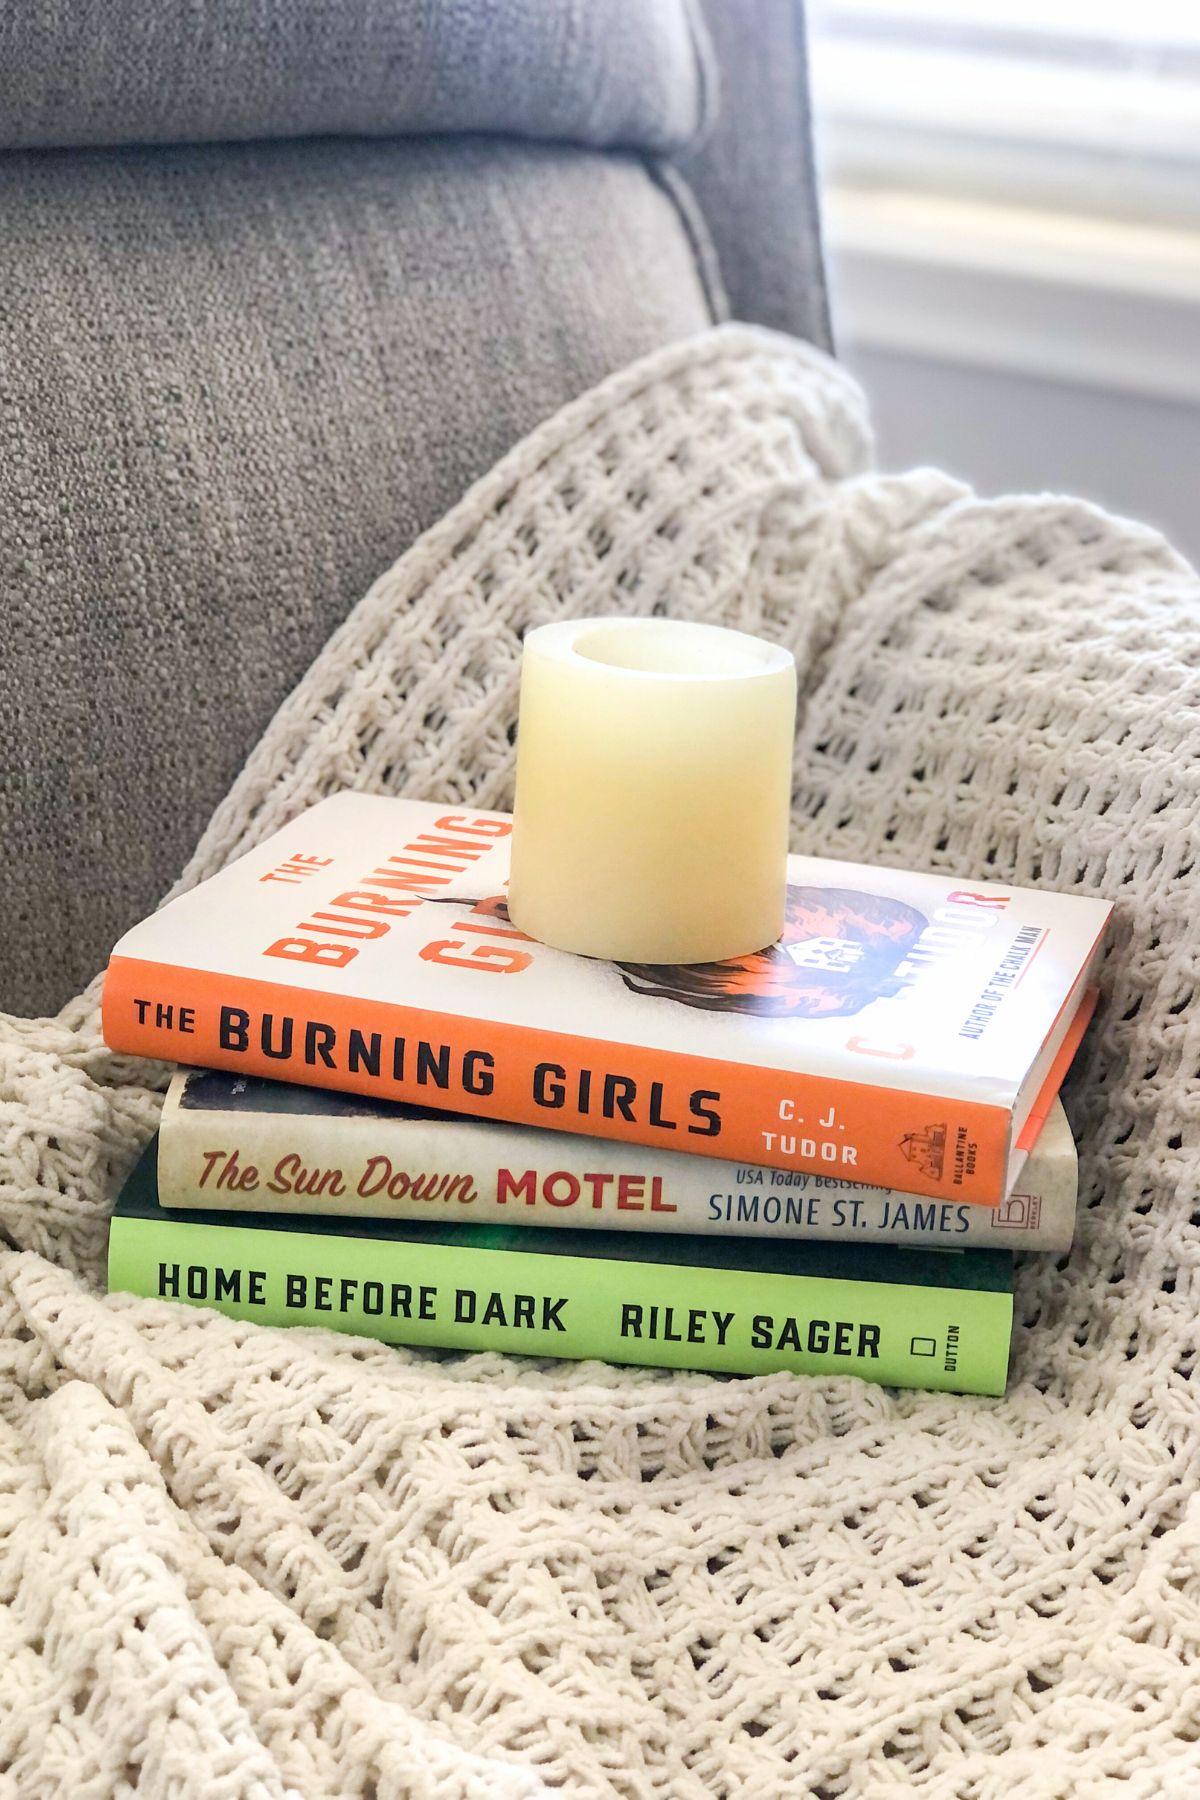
(1006, 431)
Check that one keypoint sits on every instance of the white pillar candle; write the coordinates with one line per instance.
(654, 762)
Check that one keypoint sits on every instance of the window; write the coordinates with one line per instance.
(1090, 105)
(1016, 183)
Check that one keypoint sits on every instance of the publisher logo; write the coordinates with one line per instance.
(926, 1150)
(1020, 1212)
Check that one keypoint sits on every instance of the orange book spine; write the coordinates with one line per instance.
(945, 1149)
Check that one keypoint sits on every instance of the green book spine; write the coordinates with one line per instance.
(921, 1319)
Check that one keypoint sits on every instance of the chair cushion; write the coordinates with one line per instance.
(624, 72)
(237, 382)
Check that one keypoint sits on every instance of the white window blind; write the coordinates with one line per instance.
(1074, 105)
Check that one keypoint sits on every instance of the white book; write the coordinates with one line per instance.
(240, 1143)
(907, 1030)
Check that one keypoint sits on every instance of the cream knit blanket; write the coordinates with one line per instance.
(245, 1562)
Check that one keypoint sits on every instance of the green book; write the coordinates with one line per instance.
(908, 1318)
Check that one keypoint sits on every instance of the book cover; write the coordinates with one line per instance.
(230, 1142)
(899, 1033)
(907, 1318)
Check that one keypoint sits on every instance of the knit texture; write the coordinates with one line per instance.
(245, 1562)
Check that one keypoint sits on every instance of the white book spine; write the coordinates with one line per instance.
(440, 1168)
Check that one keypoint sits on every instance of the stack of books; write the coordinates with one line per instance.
(396, 1115)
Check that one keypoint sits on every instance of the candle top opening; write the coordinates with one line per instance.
(663, 647)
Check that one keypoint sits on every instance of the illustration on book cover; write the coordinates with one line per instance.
(840, 950)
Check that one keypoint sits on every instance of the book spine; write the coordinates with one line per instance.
(480, 1172)
(943, 1148)
(462, 1296)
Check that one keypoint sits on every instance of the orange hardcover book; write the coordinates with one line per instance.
(902, 1032)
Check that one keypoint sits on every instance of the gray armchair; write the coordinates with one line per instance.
(273, 295)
